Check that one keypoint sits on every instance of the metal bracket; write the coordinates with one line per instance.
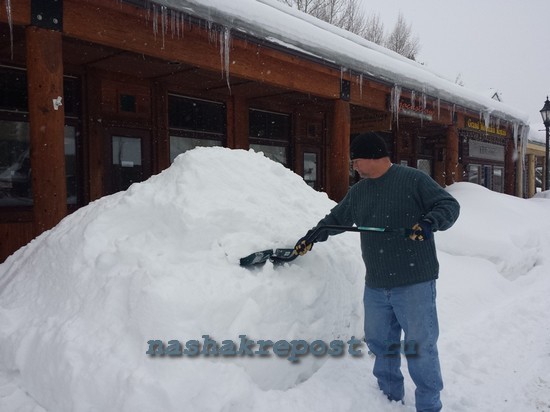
(345, 90)
(47, 14)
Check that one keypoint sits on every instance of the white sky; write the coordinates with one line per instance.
(499, 44)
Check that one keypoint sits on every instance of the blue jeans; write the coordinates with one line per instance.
(411, 309)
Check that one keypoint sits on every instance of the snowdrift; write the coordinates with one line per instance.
(161, 262)
(497, 227)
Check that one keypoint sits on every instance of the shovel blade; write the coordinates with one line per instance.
(257, 258)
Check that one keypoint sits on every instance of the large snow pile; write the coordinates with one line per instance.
(160, 261)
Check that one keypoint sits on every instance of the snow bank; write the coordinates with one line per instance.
(496, 227)
(161, 261)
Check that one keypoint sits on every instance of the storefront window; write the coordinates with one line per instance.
(15, 164)
(195, 123)
(488, 176)
(179, 145)
(539, 179)
(270, 134)
(310, 169)
(127, 165)
(498, 179)
(71, 165)
(424, 165)
(474, 174)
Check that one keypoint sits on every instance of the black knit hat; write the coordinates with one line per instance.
(368, 146)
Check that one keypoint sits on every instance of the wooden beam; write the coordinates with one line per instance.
(161, 133)
(338, 158)
(95, 149)
(106, 22)
(451, 157)
(531, 169)
(46, 119)
(509, 166)
(237, 123)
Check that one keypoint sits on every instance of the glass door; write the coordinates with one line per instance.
(129, 159)
(498, 179)
(309, 165)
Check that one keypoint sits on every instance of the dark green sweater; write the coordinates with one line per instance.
(400, 198)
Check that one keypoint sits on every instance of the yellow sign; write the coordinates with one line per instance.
(479, 125)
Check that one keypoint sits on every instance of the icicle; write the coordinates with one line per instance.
(211, 33)
(221, 53)
(453, 113)
(182, 23)
(361, 86)
(413, 99)
(155, 20)
(487, 119)
(515, 155)
(395, 97)
(10, 23)
(424, 101)
(225, 39)
(164, 21)
(524, 140)
(174, 29)
(423, 108)
(438, 107)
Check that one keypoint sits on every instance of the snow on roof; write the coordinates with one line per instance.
(278, 23)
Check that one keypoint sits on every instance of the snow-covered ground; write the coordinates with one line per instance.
(160, 261)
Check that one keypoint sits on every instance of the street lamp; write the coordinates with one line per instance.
(545, 113)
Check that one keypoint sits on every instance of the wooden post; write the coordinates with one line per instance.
(237, 123)
(338, 177)
(452, 174)
(161, 130)
(47, 119)
(509, 168)
(95, 132)
(519, 173)
(531, 170)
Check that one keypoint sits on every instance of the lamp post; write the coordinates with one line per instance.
(545, 113)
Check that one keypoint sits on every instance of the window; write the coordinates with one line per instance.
(15, 166)
(179, 145)
(487, 176)
(424, 165)
(193, 123)
(311, 171)
(498, 179)
(71, 169)
(126, 161)
(270, 134)
(13, 90)
(539, 179)
(474, 174)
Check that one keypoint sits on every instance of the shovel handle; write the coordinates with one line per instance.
(313, 236)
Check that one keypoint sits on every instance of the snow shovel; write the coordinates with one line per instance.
(280, 256)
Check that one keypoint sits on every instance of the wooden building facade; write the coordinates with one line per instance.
(99, 94)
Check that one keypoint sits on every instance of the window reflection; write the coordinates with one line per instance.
(15, 164)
